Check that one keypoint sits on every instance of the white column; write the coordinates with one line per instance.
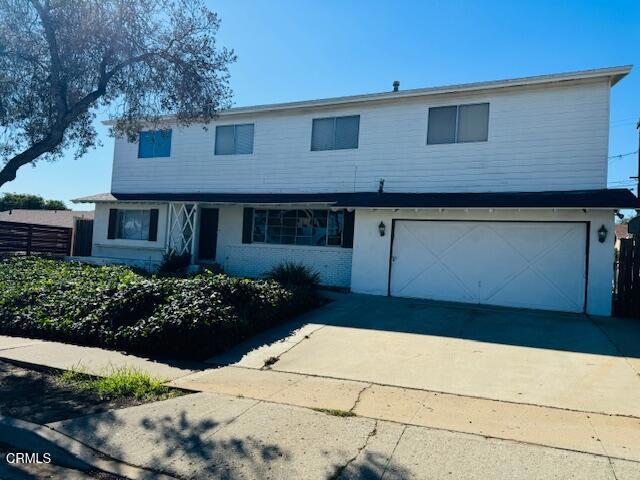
(194, 229)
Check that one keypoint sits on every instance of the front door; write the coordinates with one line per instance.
(208, 238)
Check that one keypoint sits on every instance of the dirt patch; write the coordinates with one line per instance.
(40, 397)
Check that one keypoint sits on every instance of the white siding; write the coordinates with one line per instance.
(540, 138)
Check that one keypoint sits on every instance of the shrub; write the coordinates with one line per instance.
(301, 280)
(204, 312)
(212, 268)
(174, 263)
(115, 307)
(294, 274)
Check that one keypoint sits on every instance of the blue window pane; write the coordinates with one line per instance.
(154, 143)
(162, 143)
(225, 140)
(145, 145)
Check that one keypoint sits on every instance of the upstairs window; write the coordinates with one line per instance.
(335, 133)
(154, 143)
(234, 139)
(458, 124)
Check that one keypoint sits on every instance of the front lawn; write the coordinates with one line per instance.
(115, 307)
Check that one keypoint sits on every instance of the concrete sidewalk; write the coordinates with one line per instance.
(96, 361)
(208, 435)
(249, 422)
(609, 435)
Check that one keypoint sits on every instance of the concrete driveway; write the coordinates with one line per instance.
(558, 360)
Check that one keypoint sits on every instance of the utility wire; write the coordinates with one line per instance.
(612, 158)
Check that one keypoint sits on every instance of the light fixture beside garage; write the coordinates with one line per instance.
(602, 234)
(381, 228)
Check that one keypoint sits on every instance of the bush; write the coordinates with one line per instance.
(174, 263)
(300, 279)
(115, 307)
(204, 312)
(294, 274)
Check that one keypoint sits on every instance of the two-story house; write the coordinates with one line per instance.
(490, 193)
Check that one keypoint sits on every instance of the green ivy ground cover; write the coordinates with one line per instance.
(116, 307)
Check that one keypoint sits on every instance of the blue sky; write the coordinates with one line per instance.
(296, 50)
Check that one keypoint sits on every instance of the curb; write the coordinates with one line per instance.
(66, 451)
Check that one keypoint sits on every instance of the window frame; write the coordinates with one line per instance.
(118, 229)
(457, 123)
(266, 226)
(235, 143)
(335, 123)
(155, 132)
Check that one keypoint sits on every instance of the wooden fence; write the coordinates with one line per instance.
(626, 295)
(31, 239)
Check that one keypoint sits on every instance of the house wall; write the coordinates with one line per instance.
(370, 266)
(140, 253)
(365, 268)
(254, 260)
(552, 137)
(236, 258)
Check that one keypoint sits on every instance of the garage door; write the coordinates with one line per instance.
(514, 264)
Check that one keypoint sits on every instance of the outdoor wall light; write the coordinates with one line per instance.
(602, 234)
(381, 228)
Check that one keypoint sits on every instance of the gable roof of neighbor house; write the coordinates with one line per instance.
(54, 218)
(614, 74)
(605, 198)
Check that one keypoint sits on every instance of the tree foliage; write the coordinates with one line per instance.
(62, 60)
(628, 218)
(12, 201)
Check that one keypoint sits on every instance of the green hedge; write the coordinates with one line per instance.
(115, 307)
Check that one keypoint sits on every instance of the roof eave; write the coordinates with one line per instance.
(608, 199)
(615, 74)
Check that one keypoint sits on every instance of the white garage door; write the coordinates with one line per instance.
(514, 264)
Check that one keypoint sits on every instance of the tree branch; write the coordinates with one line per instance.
(53, 138)
(58, 85)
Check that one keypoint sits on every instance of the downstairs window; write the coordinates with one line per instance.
(312, 227)
(129, 224)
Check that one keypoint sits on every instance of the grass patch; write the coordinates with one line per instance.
(335, 412)
(120, 383)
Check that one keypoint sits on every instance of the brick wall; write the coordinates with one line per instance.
(333, 264)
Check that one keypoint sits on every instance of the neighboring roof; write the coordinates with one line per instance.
(97, 198)
(614, 74)
(622, 230)
(613, 198)
(58, 218)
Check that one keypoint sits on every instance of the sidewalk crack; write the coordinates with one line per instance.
(355, 404)
(604, 449)
(339, 470)
(14, 347)
(386, 466)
